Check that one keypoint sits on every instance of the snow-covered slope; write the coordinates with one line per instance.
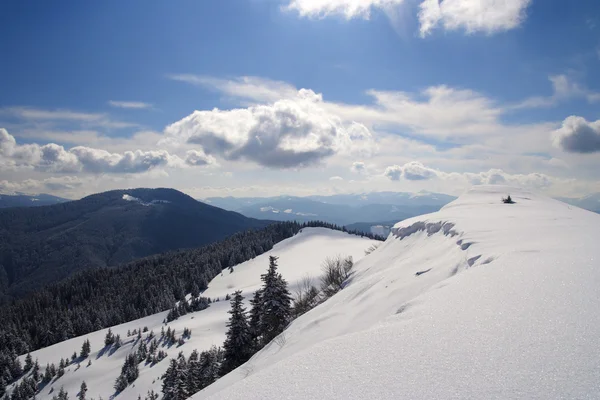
(481, 300)
(299, 256)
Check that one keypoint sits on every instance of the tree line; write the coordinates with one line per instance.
(95, 299)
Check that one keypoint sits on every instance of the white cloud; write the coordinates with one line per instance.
(51, 184)
(347, 8)
(58, 116)
(564, 88)
(577, 135)
(437, 110)
(129, 104)
(336, 178)
(488, 16)
(198, 158)
(286, 134)
(412, 171)
(55, 158)
(246, 87)
(416, 171)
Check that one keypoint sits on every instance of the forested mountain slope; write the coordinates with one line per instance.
(40, 245)
(300, 255)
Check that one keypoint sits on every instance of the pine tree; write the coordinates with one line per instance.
(36, 371)
(276, 303)
(62, 394)
(254, 319)
(61, 368)
(47, 374)
(2, 386)
(82, 391)
(109, 339)
(238, 340)
(85, 349)
(151, 395)
(28, 362)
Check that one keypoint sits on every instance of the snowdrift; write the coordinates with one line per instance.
(481, 300)
(299, 256)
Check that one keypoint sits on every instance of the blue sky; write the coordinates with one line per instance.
(100, 95)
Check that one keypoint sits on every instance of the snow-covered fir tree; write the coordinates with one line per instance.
(254, 319)
(275, 303)
(82, 391)
(238, 340)
(86, 348)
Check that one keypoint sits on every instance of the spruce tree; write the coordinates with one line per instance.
(36, 371)
(238, 340)
(62, 394)
(85, 349)
(82, 391)
(254, 319)
(276, 303)
(109, 339)
(28, 362)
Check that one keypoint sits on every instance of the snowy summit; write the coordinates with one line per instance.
(481, 300)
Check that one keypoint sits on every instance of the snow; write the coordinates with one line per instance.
(127, 197)
(481, 300)
(299, 256)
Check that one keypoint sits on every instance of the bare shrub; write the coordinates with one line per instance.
(371, 249)
(336, 270)
(306, 296)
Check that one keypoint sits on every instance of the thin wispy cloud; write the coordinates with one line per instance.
(138, 105)
(37, 115)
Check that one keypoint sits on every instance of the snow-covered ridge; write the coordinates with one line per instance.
(481, 300)
(299, 256)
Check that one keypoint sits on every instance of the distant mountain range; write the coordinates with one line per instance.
(39, 245)
(24, 200)
(590, 202)
(343, 209)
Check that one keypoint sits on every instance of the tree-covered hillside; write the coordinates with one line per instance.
(41, 245)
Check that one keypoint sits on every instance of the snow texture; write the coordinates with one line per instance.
(481, 300)
(299, 256)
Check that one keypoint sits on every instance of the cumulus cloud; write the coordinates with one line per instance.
(129, 104)
(577, 135)
(336, 178)
(488, 16)
(288, 133)
(198, 158)
(412, 171)
(55, 158)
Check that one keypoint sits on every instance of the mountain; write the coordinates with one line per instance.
(422, 198)
(23, 200)
(479, 300)
(39, 245)
(337, 209)
(590, 202)
(299, 256)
